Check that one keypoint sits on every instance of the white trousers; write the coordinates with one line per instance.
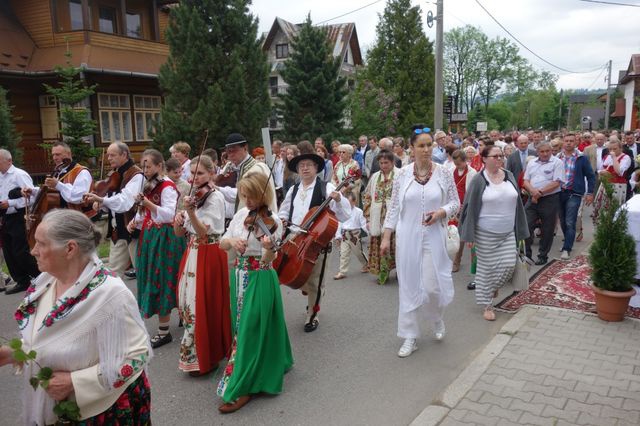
(121, 254)
(347, 247)
(430, 312)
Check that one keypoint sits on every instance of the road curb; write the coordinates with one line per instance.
(438, 409)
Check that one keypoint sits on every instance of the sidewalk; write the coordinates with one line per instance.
(548, 366)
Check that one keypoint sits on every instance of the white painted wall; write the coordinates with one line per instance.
(629, 90)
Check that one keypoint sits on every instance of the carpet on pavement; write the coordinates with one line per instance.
(562, 284)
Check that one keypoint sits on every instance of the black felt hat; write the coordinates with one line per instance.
(293, 164)
(235, 139)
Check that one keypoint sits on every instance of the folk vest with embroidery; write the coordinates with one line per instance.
(127, 171)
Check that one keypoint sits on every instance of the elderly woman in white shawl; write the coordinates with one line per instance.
(424, 196)
(84, 324)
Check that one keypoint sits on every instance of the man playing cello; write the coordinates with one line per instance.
(311, 192)
(71, 179)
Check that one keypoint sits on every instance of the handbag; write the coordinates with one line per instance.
(453, 241)
(520, 279)
(375, 214)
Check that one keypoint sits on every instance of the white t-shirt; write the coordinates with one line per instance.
(498, 211)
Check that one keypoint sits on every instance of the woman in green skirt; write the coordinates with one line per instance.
(159, 249)
(260, 350)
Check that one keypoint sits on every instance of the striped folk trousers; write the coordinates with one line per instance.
(496, 262)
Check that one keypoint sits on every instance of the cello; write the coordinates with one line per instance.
(298, 255)
(46, 199)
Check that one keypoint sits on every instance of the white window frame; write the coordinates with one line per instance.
(152, 112)
(121, 110)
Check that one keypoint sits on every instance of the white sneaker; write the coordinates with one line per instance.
(438, 330)
(565, 255)
(407, 348)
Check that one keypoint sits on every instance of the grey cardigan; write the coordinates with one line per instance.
(473, 203)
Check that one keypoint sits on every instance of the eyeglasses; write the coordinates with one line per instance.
(497, 157)
(424, 130)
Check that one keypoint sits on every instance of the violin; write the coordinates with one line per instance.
(227, 176)
(103, 187)
(200, 194)
(261, 222)
(148, 187)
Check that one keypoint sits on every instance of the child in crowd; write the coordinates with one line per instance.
(349, 236)
(174, 172)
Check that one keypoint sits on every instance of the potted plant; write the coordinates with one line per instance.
(613, 259)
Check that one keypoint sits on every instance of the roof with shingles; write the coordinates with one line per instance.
(633, 70)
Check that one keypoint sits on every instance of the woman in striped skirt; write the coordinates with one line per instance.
(493, 219)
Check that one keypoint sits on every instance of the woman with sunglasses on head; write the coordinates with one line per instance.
(493, 219)
(423, 198)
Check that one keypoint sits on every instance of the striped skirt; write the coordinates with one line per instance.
(496, 255)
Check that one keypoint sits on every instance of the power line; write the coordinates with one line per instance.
(611, 3)
(349, 13)
(597, 78)
(531, 51)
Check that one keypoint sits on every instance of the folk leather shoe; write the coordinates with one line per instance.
(408, 347)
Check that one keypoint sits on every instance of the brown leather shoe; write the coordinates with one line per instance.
(230, 407)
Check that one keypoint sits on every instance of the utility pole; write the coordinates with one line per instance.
(608, 105)
(560, 111)
(437, 114)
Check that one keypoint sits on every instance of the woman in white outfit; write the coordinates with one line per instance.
(423, 195)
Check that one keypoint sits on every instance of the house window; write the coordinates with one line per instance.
(147, 113)
(115, 117)
(134, 24)
(346, 58)
(282, 51)
(107, 20)
(75, 14)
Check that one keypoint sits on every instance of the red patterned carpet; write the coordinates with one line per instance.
(561, 284)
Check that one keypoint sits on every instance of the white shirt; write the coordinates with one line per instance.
(123, 201)
(625, 163)
(278, 172)
(356, 221)
(14, 178)
(165, 212)
(186, 170)
(301, 204)
(211, 214)
(599, 150)
(634, 149)
(498, 211)
(72, 192)
(541, 174)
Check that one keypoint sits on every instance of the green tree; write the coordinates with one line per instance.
(462, 64)
(497, 57)
(373, 112)
(315, 101)
(401, 62)
(72, 94)
(9, 137)
(216, 75)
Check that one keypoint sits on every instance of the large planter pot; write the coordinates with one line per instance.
(612, 305)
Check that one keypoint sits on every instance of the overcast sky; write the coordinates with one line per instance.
(571, 34)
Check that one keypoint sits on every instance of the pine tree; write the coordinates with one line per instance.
(216, 75)
(76, 122)
(402, 63)
(9, 137)
(316, 97)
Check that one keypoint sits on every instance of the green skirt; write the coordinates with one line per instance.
(260, 351)
(158, 263)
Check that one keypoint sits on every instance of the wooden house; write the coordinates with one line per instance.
(343, 38)
(629, 84)
(120, 46)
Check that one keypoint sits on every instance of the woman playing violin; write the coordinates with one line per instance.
(260, 352)
(203, 285)
(159, 249)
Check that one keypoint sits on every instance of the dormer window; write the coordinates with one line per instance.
(282, 51)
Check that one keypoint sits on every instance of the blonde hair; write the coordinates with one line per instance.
(205, 161)
(346, 147)
(255, 186)
(182, 147)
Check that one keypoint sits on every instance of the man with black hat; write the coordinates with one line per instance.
(22, 266)
(311, 192)
(236, 147)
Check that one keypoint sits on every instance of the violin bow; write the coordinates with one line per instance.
(102, 165)
(193, 180)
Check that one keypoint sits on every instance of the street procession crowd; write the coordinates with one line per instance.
(215, 235)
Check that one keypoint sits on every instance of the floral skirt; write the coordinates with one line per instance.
(381, 266)
(133, 408)
(203, 304)
(159, 255)
(260, 352)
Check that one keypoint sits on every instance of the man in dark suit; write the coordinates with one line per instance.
(517, 162)
(632, 149)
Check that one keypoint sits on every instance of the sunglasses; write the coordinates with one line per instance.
(424, 130)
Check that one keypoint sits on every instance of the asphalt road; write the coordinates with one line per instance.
(345, 373)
